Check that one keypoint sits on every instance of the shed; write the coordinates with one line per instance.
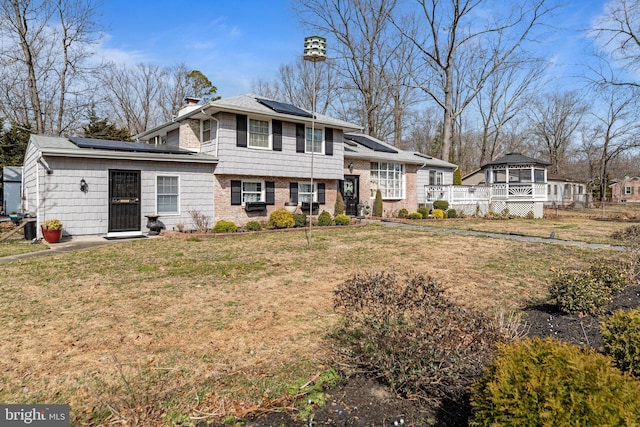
(11, 185)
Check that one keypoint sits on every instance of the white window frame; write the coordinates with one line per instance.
(177, 195)
(439, 177)
(627, 190)
(250, 133)
(392, 187)
(202, 137)
(314, 193)
(262, 191)
(308, 144)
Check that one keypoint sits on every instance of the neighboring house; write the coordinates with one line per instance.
(513, 183)
(108, 187)
(371, 165)
(11, 187)
(566, 192)
(626, 191)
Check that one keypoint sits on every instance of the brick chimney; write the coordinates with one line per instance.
(190, 104)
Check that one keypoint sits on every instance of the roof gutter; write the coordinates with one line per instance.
(128, 155)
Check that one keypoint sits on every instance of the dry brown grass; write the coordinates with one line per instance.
(222, 326)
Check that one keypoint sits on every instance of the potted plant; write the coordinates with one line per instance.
(52, 230)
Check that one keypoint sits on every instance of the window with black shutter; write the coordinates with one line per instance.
(236, 193)
(321, 193)
(293, 191)
(276, 126)
(328, 142)
(270, 195)
(299, 138)
(241, 130)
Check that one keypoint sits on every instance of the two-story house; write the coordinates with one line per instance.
(236, 159)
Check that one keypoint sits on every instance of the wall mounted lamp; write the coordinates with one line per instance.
(350, 167)
(84, 187)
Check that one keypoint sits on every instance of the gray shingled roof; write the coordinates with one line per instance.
(353, 150)
(516, 159)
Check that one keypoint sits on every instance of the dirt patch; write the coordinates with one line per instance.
(364, 401)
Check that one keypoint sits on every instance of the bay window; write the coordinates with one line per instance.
(389, 178)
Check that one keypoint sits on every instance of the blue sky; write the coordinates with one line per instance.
(235, 42)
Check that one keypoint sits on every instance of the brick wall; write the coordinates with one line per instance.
(190, 134)
(237, 214)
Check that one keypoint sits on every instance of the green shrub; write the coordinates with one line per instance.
(339, 206)
(621, 336)
(437, 213)
(629, 233)
(281, 218)
(451, 213)
(324, 219)
(579, 292)
(253, 226)
(612, 275)
(377, 204)
(403, 213)
(342, 219)
(410, 335)
(441, 204)
(224, 226)
(415, 215)
(538, 382)
(424, 211)
(300, 220)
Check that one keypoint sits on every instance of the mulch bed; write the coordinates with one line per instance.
(363, 401)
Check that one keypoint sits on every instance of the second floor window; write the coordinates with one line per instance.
(206, 131)
(259, 133)
(316, 145)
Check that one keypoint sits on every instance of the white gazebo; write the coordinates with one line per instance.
(513, 183)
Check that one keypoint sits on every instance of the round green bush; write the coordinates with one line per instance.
(403, 213)
(437, 213)
(415, 215)
(612, 275)
(579, 292)
(424, 211)
(281, 218)
(253, 226)
(224, 226)
(441, 204)
(342, 219)
(621, 336)
(451, 213)
(300, 220)
(538, 382)
(324, 219)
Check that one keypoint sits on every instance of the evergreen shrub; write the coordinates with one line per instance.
(415, 215)
(253, 226)
(224, 226)
(377, 204)
(403, 213)
(300, 220)
(451, 213)
(621, 336)
(424, 211)
(281, 218)
(611, 275)
(342, 219)
(546, 382)
(437, 213)
(441, 204)
(324, 219)
(579, 292)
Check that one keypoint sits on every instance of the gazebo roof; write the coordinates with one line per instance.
(516, 159)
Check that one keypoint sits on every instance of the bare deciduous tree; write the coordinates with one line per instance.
(444, 30)
(555, 117)
(44, 51)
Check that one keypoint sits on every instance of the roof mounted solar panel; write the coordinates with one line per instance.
(281, 107)
(140, 147)
(370, 143)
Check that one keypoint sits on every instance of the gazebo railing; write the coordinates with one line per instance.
(483, 193)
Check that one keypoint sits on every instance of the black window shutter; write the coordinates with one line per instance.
(321, 191)
(276, 126)
(299, 138)
(241, 130)
(236, 192)
(270, 193)
(328, 142)
(293, 191)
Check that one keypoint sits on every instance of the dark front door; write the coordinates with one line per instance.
(349, 189)
(124, 201)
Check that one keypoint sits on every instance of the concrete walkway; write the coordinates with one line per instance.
(516, 237)
(66, 245)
